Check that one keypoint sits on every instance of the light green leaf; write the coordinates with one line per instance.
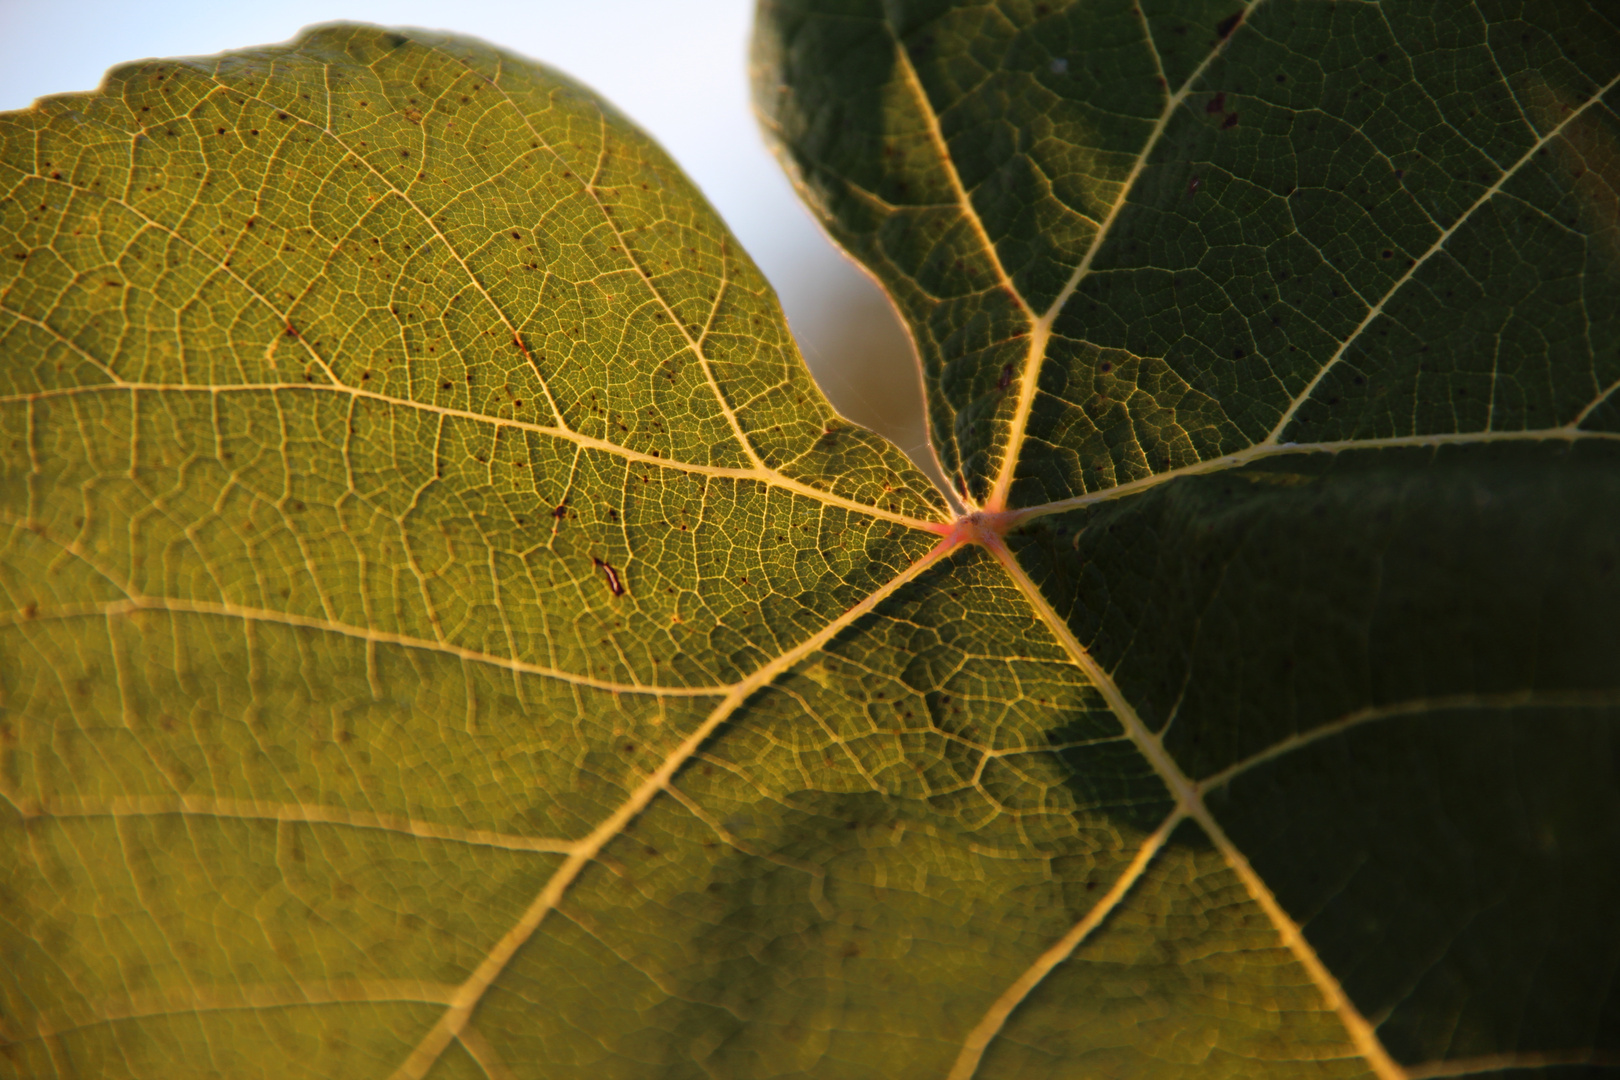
(449, 635)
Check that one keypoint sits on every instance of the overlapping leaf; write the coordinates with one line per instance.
(449, 635)
(1286, 333)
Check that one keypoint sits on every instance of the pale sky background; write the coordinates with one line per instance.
(677, 67)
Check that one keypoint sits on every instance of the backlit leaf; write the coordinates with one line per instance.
(448, 634)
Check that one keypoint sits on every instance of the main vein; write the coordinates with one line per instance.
(990, 1025)
(1262, 451)
(1189, 800)
(760, 473)
(1041, 329)
(468, 995)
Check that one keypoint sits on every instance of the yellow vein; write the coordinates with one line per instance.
(1262, 451)
(942, 149)
(139, 806)
(1597, 403)
(1041, 331)
(591, 190)
(63, 339)
(1360, 1030)
(1518, 699)
(937, 136)
(1490, 1063)
(1191, 804)
(1434, 248)
(967, 1061)
(1152, 46)
(176, 1000)
(761, 474)
(467, 996)
(427, 218)
(692, 343)
(214, 261)
(479, 1049)
(140, 602)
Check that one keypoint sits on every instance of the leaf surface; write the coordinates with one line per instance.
(450, 635)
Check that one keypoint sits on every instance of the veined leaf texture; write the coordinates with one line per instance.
(447, 633)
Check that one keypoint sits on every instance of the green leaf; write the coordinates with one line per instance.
(449, 635)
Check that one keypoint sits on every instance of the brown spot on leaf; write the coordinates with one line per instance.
(614, 584)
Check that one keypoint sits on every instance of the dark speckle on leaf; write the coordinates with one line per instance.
(1224, 28)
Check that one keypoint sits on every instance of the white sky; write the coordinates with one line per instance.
(677, 67)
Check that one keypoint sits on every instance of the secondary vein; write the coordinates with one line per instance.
(467, 996)
(589, 442)
(1377, 309)
(1189, 799)
(1040, 333)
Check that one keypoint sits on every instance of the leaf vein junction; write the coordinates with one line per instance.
(1041, 328)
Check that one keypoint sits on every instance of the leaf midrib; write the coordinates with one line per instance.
(760, 474)
(467, 996)
(1041, 327)
(759, 471)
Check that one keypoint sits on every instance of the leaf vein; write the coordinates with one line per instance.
(467, 996)
(1189, 801)
(1377, 309)
(762, 474)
